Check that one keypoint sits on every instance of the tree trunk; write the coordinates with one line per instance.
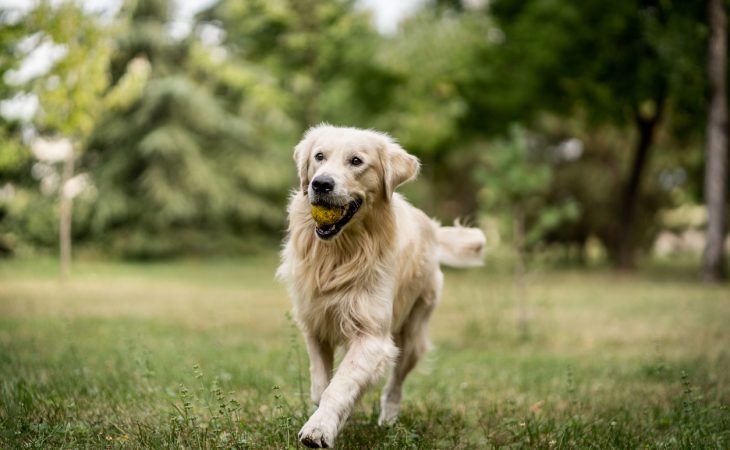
(65, 216)
(625, 237)
(716, 145)
(518, 227)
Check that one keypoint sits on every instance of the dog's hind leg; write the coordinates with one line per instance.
(412, 341)
(321, 356)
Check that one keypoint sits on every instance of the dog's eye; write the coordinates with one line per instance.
(355, 161)
(319, 156)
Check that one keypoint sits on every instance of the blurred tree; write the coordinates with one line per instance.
(620, 64)
(716, 171)
(70, 96)
(433, 58)
(15, 159)
(69, 92)
(176, 169)
(518, 193)
(321, 54)
(194, 131)
(12, 156)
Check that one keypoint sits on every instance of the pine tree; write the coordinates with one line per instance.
(173, 168)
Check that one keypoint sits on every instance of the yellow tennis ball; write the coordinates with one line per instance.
(324, 215)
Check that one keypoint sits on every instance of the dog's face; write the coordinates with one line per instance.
(350, 168)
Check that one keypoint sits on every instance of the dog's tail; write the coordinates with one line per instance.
(460, 246)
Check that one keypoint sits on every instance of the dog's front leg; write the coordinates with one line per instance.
(321, 355)
(366, 359)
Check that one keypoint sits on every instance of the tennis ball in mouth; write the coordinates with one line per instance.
(327, 215)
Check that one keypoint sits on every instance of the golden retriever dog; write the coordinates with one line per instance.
(367, 280)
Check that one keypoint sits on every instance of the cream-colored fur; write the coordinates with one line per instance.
(372, 287)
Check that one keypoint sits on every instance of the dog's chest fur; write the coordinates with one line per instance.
(367, 280)
(340, 288)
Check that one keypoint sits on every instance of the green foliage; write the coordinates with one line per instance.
(429, 104)
(515, 175)
(521, 175)
(70, 93)
(192, 137)
(145, 35)
(10, 34)
(319, 52)
(13, 155)
(70, 99)
(619, 76)
(176, 164)
(650, 52)
(175, 160)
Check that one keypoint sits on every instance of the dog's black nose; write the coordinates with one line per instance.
(323, 184)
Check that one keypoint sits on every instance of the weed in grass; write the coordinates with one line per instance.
(214, 423)
(294, 352)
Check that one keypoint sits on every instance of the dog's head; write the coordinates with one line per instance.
(350, 168)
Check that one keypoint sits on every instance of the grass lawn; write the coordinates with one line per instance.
(201, 354)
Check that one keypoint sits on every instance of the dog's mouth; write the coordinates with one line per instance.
(329, 231)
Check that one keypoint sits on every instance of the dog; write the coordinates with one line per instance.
(368, 282)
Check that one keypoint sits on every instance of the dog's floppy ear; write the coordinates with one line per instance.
(301, 157)
(398, 167)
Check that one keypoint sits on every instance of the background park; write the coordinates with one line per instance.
(145, 165)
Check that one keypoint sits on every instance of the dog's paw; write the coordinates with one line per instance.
(317, 434)
(388, 414)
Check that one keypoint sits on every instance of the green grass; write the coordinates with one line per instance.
(201, 354)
